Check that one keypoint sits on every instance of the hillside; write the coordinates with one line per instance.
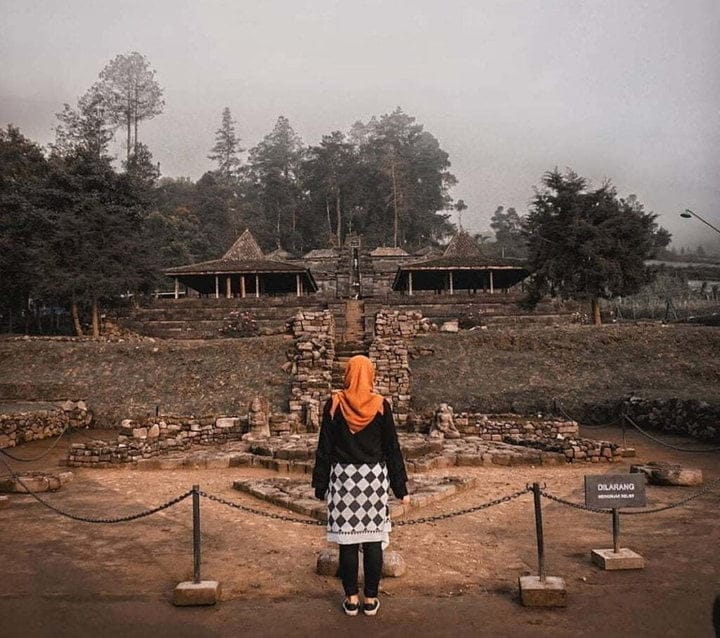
(495, 370)
(522, 370)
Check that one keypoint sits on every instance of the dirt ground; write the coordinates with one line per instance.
(66, 578)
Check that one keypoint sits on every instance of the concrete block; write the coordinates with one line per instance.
(624, 559)
(550, 592)
(188, 593)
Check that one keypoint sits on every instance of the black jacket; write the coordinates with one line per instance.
(377, 442)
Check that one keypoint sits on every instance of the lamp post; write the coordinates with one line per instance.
(688, 214)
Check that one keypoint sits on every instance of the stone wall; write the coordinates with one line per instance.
(30, 425)
(311, 359)
(400, 323)
(159, 435)
(392, 363)
(678, 416)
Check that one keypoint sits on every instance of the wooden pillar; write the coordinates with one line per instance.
(177, 288)
(410, 283)
(217, 287)
(297, 285)
(242, 286)
(257, 285)
(491, 283)
(451, 282)
(228, 288)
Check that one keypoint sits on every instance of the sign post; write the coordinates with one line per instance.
(613, 492)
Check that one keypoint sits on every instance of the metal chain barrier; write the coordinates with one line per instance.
(661, 442)
(89, 519)
(468, 510)
(414, 521)
(253, 510)
(43, 455)
(627, 512)
(562, 411)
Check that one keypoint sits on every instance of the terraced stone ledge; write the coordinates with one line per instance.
(297, 495)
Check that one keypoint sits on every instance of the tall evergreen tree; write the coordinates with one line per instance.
(86, 128)
(226, 149)
(131, 93)
(24, 225)
(589, 244)
(274, 166)
(508, 228)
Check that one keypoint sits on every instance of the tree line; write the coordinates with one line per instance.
(77, 232)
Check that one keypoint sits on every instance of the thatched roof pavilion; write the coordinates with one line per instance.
(244, 271)
(462, 266)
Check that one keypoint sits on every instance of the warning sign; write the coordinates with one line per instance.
(608, 491)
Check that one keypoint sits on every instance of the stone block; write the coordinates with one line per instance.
(550, 592)
(4, 501)
(188, 593)
(624, 558)
(450, 326)
(394, 565)
(327, 563)
(227, 422)
(669, 474)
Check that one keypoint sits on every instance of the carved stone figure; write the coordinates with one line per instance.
(312, 415)
(443, 424)
(259, 417)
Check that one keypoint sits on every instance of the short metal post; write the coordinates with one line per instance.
(539, 531)
(616, 529)
(196, 533)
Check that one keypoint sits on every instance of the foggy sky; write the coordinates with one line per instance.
(617, 89)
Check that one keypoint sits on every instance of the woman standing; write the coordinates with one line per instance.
(357, 459)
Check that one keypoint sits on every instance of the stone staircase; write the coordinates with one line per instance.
(350, 337)
(344, 351)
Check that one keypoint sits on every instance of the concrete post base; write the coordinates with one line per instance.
(624, 559)
(187, 593)
(550, 592)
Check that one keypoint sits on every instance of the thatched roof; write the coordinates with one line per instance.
(462, 245)
(388, 251)
(245, 248)
(243, 257)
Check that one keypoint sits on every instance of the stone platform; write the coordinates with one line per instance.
(297, 494)
(294, 454)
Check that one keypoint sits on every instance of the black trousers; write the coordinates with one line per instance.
(372, 565)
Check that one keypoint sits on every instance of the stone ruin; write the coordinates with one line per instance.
(46, 422)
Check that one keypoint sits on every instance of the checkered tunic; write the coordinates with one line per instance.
(357, 504)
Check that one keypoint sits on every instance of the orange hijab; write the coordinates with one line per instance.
(358, 403)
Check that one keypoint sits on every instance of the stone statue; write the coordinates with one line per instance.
(259, 417)
(443, 425)
(312, 415)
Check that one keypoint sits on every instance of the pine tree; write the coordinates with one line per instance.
(226, 149)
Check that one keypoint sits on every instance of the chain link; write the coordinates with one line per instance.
(43, 455)
(89, 519)
(468, 510)
(414, 521)
(562, 411)
(253, 510)
(661, 442)
(708, 488)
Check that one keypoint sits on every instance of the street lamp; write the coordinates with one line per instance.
(688, 214)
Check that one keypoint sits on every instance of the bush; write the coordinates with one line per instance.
(239, 324)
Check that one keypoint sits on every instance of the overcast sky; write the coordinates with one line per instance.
(621, 89)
